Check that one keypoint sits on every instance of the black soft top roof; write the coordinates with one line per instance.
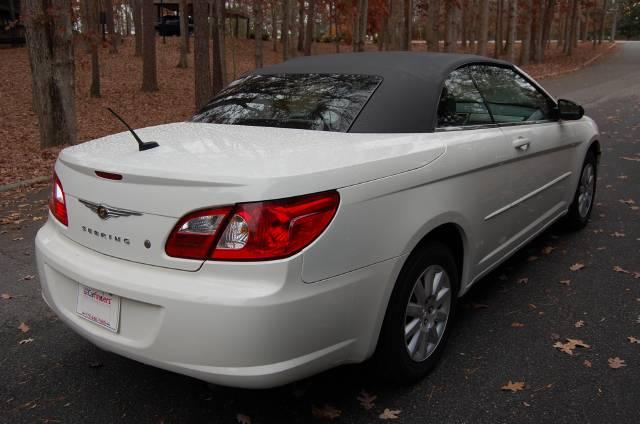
(406, 100)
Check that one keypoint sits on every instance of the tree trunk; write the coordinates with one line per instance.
(614, 24)
(525, 49)
(464, 33)
(308, 38)
(137, 25)
(300, 25)
(361, 25)
(274, 25)
(572, 28)
(114, 38)
(450, 41)
(286, 22)
(603, 16)
(498, 35)
(337, 25)
(202, 74)
(511, 30)
(184, 34)
(483, 36)
(93, 14)
(50, 47)
(258, 23)
(149, 72)
(218, 47)
(406, 29)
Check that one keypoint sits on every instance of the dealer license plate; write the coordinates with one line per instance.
(99, 307)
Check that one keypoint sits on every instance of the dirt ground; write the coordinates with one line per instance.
(21, 156)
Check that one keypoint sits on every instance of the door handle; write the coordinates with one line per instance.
(521, 143)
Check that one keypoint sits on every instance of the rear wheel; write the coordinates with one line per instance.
(582, 205)
(419, 315)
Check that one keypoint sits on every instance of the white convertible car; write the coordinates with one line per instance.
(318, 212)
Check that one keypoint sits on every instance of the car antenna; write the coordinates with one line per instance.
(141, 144)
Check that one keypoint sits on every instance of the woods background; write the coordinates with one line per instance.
(84, 55)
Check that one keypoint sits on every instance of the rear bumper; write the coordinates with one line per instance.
(251, 325)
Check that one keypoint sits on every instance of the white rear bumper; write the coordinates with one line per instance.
(249, 325)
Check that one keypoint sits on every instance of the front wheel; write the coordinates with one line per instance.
(583, 199)
(419, 315)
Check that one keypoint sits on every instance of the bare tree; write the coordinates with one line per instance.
(202, 72)
(114, 37)
(433, 25)
(525, 48)
(258, 23)
(450, 39)
(149, 71)
(511, 29)
(300, 25)
(286, 22)
(498, 31)
(406, 29)
(483, 31)
(572, 33)
(50, 47)
(93, 38)
(311, 17)
(184, 34)
(218, 47)
(274, 24)
(137, 25)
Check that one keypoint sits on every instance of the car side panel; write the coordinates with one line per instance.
(387, 217)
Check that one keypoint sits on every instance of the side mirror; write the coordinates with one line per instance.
(569, 110)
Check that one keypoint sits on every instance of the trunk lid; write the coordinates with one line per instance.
(201, 165)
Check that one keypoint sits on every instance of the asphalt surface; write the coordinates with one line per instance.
(60, 377)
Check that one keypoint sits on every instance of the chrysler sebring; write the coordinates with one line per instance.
(318, 212)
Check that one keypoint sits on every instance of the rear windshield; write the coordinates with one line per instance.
(322, 102)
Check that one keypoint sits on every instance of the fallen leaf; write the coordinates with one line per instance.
(526, 404)
(243, 419)
(389, 414)
(27, 278)
(633, 340)
(616, 363)
(579, 324)
(570, 345)
(565, 282)
(547, 250)
(532, 258)
(631, 159)
(367, 400)
(616, 268)
(513, 386)
(627, 201)
(25, 341)
(18, 238)
(517, 325)
(23, 327)
(5, 296)
(617, 234)
(587, 363)
(327, 412)
(577, 266)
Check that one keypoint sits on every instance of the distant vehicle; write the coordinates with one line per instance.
(170, 25)
(316, 212)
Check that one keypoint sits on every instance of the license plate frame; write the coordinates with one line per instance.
(99, 307)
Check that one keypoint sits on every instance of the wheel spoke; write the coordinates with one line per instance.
(415, 341)
(414, 310)
(435, 286)
(411, 328)
(443, 296)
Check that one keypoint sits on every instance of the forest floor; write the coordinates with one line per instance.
(22, 158)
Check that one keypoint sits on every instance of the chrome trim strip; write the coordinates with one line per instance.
(527, 196)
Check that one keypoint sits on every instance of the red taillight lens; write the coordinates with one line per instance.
(261, 230)
(57, 203)
(194, 235)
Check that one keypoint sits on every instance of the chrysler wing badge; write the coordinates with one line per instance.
(106, 211)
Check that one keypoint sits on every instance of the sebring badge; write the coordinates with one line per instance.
(106, 212)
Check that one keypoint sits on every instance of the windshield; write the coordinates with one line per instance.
(322, 102)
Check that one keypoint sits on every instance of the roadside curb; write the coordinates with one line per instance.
(577, 68)
(25, 183)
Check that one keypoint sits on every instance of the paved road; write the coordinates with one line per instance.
(59, 377)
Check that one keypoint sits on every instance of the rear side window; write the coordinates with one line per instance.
(323, 102)
(460, 102)
(509, 96)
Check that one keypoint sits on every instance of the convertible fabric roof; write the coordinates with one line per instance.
(406, 100)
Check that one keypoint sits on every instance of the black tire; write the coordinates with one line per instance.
(392, 358)
(576, 218)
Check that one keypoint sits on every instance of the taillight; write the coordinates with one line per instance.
(259, 231)
(194, 235)
(57, 203)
